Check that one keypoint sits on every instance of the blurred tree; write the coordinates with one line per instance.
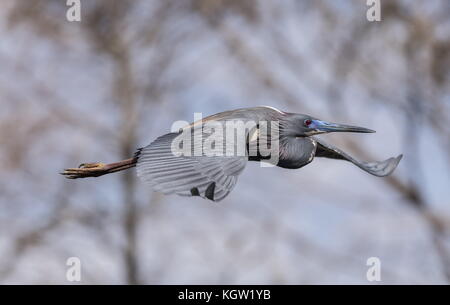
(106, 85)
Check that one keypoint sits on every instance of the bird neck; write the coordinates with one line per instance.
(296, 152)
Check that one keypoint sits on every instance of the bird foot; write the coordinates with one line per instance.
(85, 170)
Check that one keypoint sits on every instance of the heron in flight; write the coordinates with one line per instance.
(213, 177)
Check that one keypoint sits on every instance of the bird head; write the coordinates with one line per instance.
(302, 125)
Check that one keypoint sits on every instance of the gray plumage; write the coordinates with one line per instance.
(187, 176)
(213, 177)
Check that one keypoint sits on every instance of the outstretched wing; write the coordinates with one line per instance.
(377, 168)
(211, 177)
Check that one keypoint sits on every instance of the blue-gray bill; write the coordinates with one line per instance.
(323, 127)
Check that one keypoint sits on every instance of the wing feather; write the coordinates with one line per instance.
(208, 177)
(376, 168)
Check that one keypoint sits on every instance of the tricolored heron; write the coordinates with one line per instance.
(213, 177)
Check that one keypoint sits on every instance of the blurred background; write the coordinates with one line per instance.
(95, 90)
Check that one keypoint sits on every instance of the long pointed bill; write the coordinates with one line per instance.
(322, 127)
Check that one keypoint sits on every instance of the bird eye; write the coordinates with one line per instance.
(307, 122)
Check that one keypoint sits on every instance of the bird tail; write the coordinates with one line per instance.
(98, 169)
